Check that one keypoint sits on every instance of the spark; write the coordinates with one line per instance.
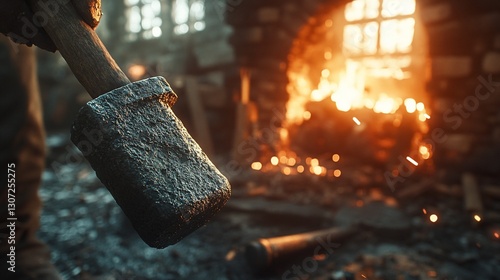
(314, 162)
(307, 115)
(434, 218)
(477, 218)
(424, 211)
(497, 235)
(291, 161)
(317, 170)
(337, 173)
(275, 160)
(300, 169)
(230, 255)
(287, 171)
(427, 116)
(283, 160)
(412, 161)
(356, 121)
(257, 166)
(336, 158)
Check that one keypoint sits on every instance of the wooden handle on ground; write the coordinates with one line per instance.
(82, 49)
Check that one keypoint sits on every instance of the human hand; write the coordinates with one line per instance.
(18, 21)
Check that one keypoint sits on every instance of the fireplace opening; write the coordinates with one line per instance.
(357, 77)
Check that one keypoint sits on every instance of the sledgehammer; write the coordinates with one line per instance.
(139, 149)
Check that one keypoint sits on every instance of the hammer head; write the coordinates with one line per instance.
(154, 169)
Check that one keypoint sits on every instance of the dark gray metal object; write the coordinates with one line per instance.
(142, 153)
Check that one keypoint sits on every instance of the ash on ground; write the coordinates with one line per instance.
(92, 239)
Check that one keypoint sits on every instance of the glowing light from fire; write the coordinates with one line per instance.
(136, 71)
(300, 169)
(411, 105)
(316, 170)
(337, 173)
(425, 152)
(434, 218)
(412, 161)
(336, 158)
(257, 166)
(356, 121)
(275, 160)
(287, 171)
(283, 160)
(375, 29)
(307, 115)
(477, 218)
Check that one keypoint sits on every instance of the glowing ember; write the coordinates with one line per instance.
(314, 162)
(497, 235)
(432, 274)
(412, 161)
(307, 115)
(477, 218)
(300, 169)
(136, 71)
(275, 160)
(257, 166)
(336, 158)
(424, 152)
(337, 173)
(424, 211)
(434, 218)
(317, 170)
(411, 105)
(359, 203)
(283, 160)
(291, 161)
(287, 171)
(356, 121)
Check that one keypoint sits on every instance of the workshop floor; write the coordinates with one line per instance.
(92, 239)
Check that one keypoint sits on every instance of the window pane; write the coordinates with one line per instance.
(392, 8)
(372, 9)
(355, 10)
(198, 10)
(180, 11)
(134, 19)
(362, 9)
(131, 2)
(370, 39)
(406, 34)
(397, 35)
(353, 39)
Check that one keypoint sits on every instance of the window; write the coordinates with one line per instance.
(188, 16)
(143, 19)
(379, 27)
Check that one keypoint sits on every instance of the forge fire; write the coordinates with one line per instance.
(250, 139)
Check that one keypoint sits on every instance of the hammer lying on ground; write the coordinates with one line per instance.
(140, 151)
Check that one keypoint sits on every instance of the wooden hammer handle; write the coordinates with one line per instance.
(82, 49)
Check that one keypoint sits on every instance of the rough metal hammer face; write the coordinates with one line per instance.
(156, 172)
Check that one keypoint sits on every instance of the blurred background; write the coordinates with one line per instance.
(324, 113)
